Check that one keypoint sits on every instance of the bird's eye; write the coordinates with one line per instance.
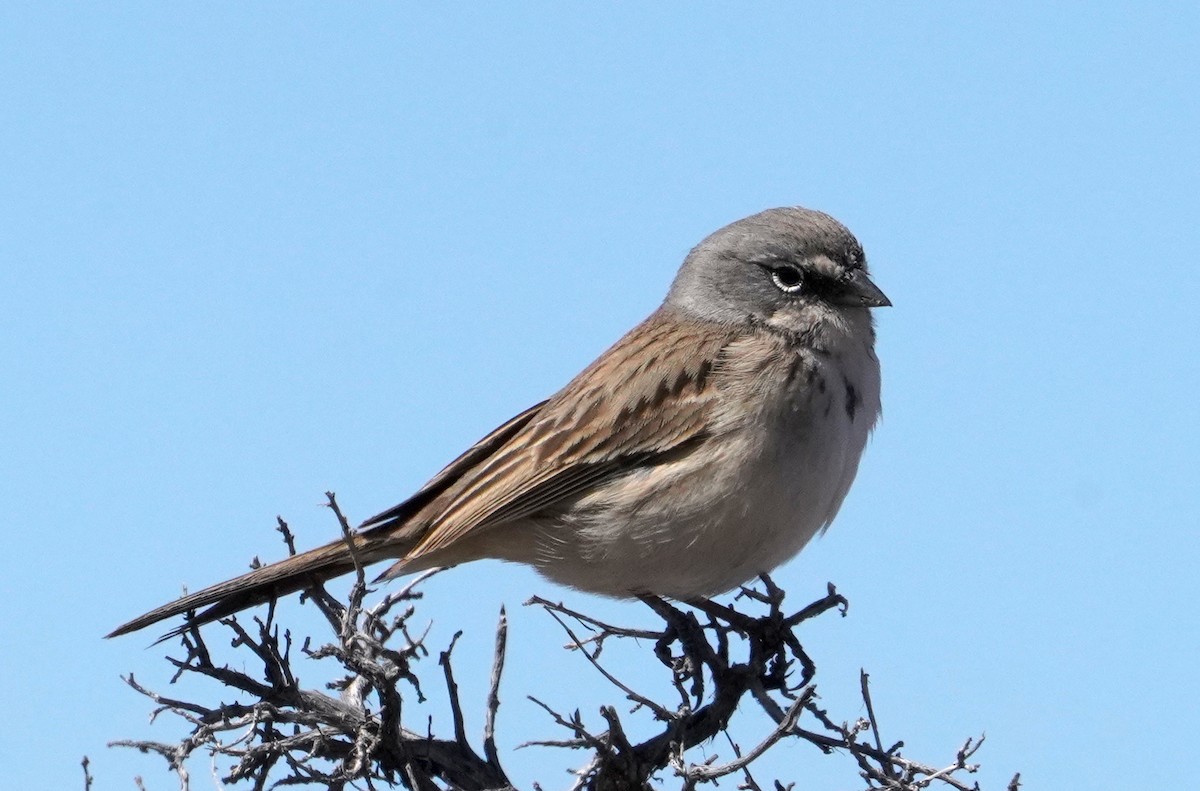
(787, 279)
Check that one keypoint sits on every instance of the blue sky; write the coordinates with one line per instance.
(255, 252)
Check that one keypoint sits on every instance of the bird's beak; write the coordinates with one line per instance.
(858, 291)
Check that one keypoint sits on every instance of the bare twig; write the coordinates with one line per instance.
(864, 685)
(493, 701)
(460, 730)
(719, 657)
(632, 695)
(347, 534)
(782, 729)
(286, 532)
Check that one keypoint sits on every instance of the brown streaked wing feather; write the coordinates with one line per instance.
(606, 421)
(451, 472)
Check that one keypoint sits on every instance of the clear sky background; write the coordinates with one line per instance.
(250, 253)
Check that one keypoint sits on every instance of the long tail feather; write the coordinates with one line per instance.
(261, 585)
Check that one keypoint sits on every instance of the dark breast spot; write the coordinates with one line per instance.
(853, 399)
(794, 368)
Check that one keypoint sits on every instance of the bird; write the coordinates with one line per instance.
(705, 447)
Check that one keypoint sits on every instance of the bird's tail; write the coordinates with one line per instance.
(265, 584)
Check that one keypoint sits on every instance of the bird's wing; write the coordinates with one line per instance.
(452, 472)
(647, 396)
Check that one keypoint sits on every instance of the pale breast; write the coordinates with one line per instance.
(785, 447)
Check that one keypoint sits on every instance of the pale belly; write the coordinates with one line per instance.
(738, 505)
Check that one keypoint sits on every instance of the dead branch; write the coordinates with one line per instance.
(718, 657)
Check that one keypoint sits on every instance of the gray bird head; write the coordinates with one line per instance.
(786, 267)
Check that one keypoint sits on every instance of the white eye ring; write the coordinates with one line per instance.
(787, 279)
